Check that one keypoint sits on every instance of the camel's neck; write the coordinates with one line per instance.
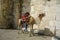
(37, 20)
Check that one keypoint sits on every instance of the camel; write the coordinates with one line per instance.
(31, 23)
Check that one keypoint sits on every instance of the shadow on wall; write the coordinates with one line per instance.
(48, 32)
(9, 14)
(45, 32)
(57, 37)
(23, 7)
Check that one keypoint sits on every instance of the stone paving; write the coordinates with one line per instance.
(13, 35)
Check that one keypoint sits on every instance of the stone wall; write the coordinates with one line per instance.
(26, 6)
(57, 14)
(35, 8)
(2, 20)
(47, 7)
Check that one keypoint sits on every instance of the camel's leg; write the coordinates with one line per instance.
(19, 25)
(21, 29)
(31, 31)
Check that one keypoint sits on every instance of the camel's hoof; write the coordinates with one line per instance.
(22, 31)
(30, 36)
(18, 32)
(33, 34)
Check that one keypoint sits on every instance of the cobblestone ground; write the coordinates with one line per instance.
(13, 35)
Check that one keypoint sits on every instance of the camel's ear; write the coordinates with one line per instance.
(41, 16)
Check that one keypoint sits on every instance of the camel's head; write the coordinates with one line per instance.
(41, 16)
